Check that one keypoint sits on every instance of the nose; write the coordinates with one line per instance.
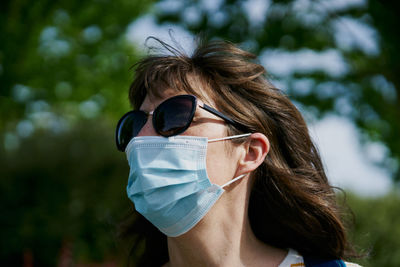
(148, 129)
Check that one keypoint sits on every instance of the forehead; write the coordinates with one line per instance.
(155, 95)
(152, 100)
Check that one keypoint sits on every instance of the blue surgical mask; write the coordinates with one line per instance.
(168, 181)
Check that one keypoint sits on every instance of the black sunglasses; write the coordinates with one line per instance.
(171, 117)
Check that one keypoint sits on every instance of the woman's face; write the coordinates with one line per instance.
(221, 160)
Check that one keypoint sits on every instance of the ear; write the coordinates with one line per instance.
(256, 149)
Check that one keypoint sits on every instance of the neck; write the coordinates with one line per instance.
(223, 238)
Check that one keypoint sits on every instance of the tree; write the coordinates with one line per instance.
(63, 190)
(364, 85)
(377, 234)
(62, 65)
(64, 60)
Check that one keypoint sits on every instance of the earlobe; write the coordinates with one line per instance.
(257, 149)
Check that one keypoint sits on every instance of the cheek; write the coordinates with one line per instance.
(220, 165)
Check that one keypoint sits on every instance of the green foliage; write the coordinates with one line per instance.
(65, 63)
(62, 63)
(69, 59)
(63, 189)
(376, 230)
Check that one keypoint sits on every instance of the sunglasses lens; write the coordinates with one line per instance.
(174, 116)
(128, 127)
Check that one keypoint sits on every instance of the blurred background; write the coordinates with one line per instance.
(64, 78)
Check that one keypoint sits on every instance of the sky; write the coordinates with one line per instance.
(349, 164)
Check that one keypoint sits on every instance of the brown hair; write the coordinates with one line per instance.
(291, 204)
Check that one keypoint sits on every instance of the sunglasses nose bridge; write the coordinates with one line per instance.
(148, 128)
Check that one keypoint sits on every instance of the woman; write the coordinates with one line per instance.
(222, 167)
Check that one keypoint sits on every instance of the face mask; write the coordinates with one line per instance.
(168, 181)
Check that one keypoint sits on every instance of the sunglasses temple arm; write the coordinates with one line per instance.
(236, 124)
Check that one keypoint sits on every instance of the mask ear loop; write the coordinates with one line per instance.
(233, 180)
(229, 137)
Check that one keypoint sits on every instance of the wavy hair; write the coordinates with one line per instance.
(291, 205)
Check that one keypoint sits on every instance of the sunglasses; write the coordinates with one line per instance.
(171, 117)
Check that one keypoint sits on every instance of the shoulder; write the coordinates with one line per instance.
(294, 259)
(351, 264)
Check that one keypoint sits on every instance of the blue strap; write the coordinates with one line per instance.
(309, 262)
